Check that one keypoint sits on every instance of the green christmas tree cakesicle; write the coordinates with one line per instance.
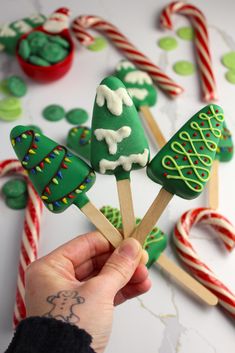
(183, 165)
(138, 83)
(59, 177)
(224, 151)
(156, 240)
(118, 142)
(79, 140)
(155, 244)
(143, 93)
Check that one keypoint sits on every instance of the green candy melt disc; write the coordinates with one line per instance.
(17, 203)
(99, 44)
(14, 188)
(53, 112)
(36, 60)
(16, 86)
(76, 116)
(24, 49)
(168, 43)
(185, 33)
(230, 76)
(53, 53)
(228, 60)
(184, 68)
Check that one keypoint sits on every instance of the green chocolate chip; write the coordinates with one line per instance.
(186, 33)
(168, 43)
(184, 68)
(59, 40)
(17, 203)
(14, 188)
(35, 128)
(16, 86)
(24, 49)
(228, 60)
(230, 76)
(77, 116)
(99, 44)
(53, 53)
(53, 112)
(36, 60)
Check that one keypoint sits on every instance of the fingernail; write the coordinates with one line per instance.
(129, 248)
(145, 257)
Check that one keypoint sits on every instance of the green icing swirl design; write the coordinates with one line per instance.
(192, 155)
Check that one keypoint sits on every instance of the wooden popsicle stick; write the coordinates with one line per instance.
(126, 207)
(152, 215)
(186, 280)
(153, 126)
(213, 187)
(102, 224)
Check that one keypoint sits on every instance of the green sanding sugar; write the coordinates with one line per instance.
(99, 44)
(228, 60)
(230, 76)
(14, 188)
(184, 68)
(53, 112)
(186, 33)
(77, 116)
(168, 43)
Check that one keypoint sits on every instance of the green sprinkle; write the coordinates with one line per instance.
(77, 116)
(53, 112)
(228, 60)
(184, 68)
(168, 43)
(186, 33)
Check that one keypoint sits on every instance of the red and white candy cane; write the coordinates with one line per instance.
(82, 23)
(189, 256)
(202, 46)
(30, 237)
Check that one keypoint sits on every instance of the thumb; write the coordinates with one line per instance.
(121, 266)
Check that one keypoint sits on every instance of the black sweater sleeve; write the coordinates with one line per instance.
(43, 335)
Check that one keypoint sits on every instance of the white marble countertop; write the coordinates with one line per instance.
(165, 320)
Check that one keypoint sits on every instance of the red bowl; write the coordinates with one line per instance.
(49, 73)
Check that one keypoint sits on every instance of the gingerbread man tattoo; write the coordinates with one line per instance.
(64, 303)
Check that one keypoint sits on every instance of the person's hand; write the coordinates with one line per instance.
(82, 281)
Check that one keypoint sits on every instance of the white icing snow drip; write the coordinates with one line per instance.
(124, 64)
(125, 161)
(139, 77)
(115, 99)
(112, 137)
(139, 93)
